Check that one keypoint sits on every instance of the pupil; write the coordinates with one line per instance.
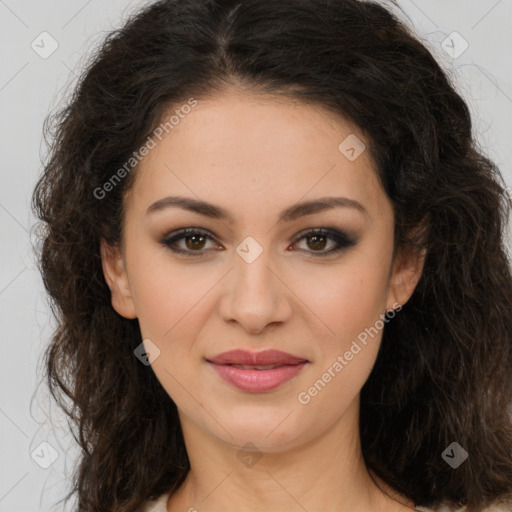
(316, 238)
(192, 245)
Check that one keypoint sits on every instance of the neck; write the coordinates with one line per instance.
(326, 473)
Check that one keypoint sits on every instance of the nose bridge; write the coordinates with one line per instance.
(252, 263)
(254, 296)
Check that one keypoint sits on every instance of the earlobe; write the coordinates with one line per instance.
(407, 271)
(117, 280)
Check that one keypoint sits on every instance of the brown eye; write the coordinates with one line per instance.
(189, 241)
(325, 241)
(194, 241)
(317, 242)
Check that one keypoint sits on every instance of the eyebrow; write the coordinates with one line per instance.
(289, 214)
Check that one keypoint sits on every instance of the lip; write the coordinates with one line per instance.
(285, 367)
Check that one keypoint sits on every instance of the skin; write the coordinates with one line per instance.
(256, 156)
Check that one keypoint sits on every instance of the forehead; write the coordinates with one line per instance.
(255, 152)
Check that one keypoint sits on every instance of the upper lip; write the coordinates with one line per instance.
(246, 357)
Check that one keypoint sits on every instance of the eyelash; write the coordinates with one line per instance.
(342, 240)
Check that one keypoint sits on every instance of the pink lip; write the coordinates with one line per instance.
(252, 379)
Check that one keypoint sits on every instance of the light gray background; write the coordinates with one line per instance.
(31, 85)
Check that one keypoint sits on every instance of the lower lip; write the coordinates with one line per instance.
(257, 380)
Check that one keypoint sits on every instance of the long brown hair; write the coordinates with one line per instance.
(443, 373)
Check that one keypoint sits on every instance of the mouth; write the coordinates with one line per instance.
(255, 367)
(256, 372)
(248, 358)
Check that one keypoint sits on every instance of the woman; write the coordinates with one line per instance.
(278, 266)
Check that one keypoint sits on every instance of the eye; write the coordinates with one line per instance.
(194, 241)
(318, 240)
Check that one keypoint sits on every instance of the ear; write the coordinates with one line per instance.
(406, 273)
(117, 280)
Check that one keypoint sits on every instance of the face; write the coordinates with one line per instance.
(271, 273)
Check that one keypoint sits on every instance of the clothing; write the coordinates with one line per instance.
(160, 505)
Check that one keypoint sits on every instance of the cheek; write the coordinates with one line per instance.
(351, 305)
(167, 297)
(345, 300)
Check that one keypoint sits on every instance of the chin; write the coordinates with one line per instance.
(264, 430)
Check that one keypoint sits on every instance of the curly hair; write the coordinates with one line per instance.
(443, 372)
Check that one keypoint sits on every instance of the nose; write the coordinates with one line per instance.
(255, 295)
